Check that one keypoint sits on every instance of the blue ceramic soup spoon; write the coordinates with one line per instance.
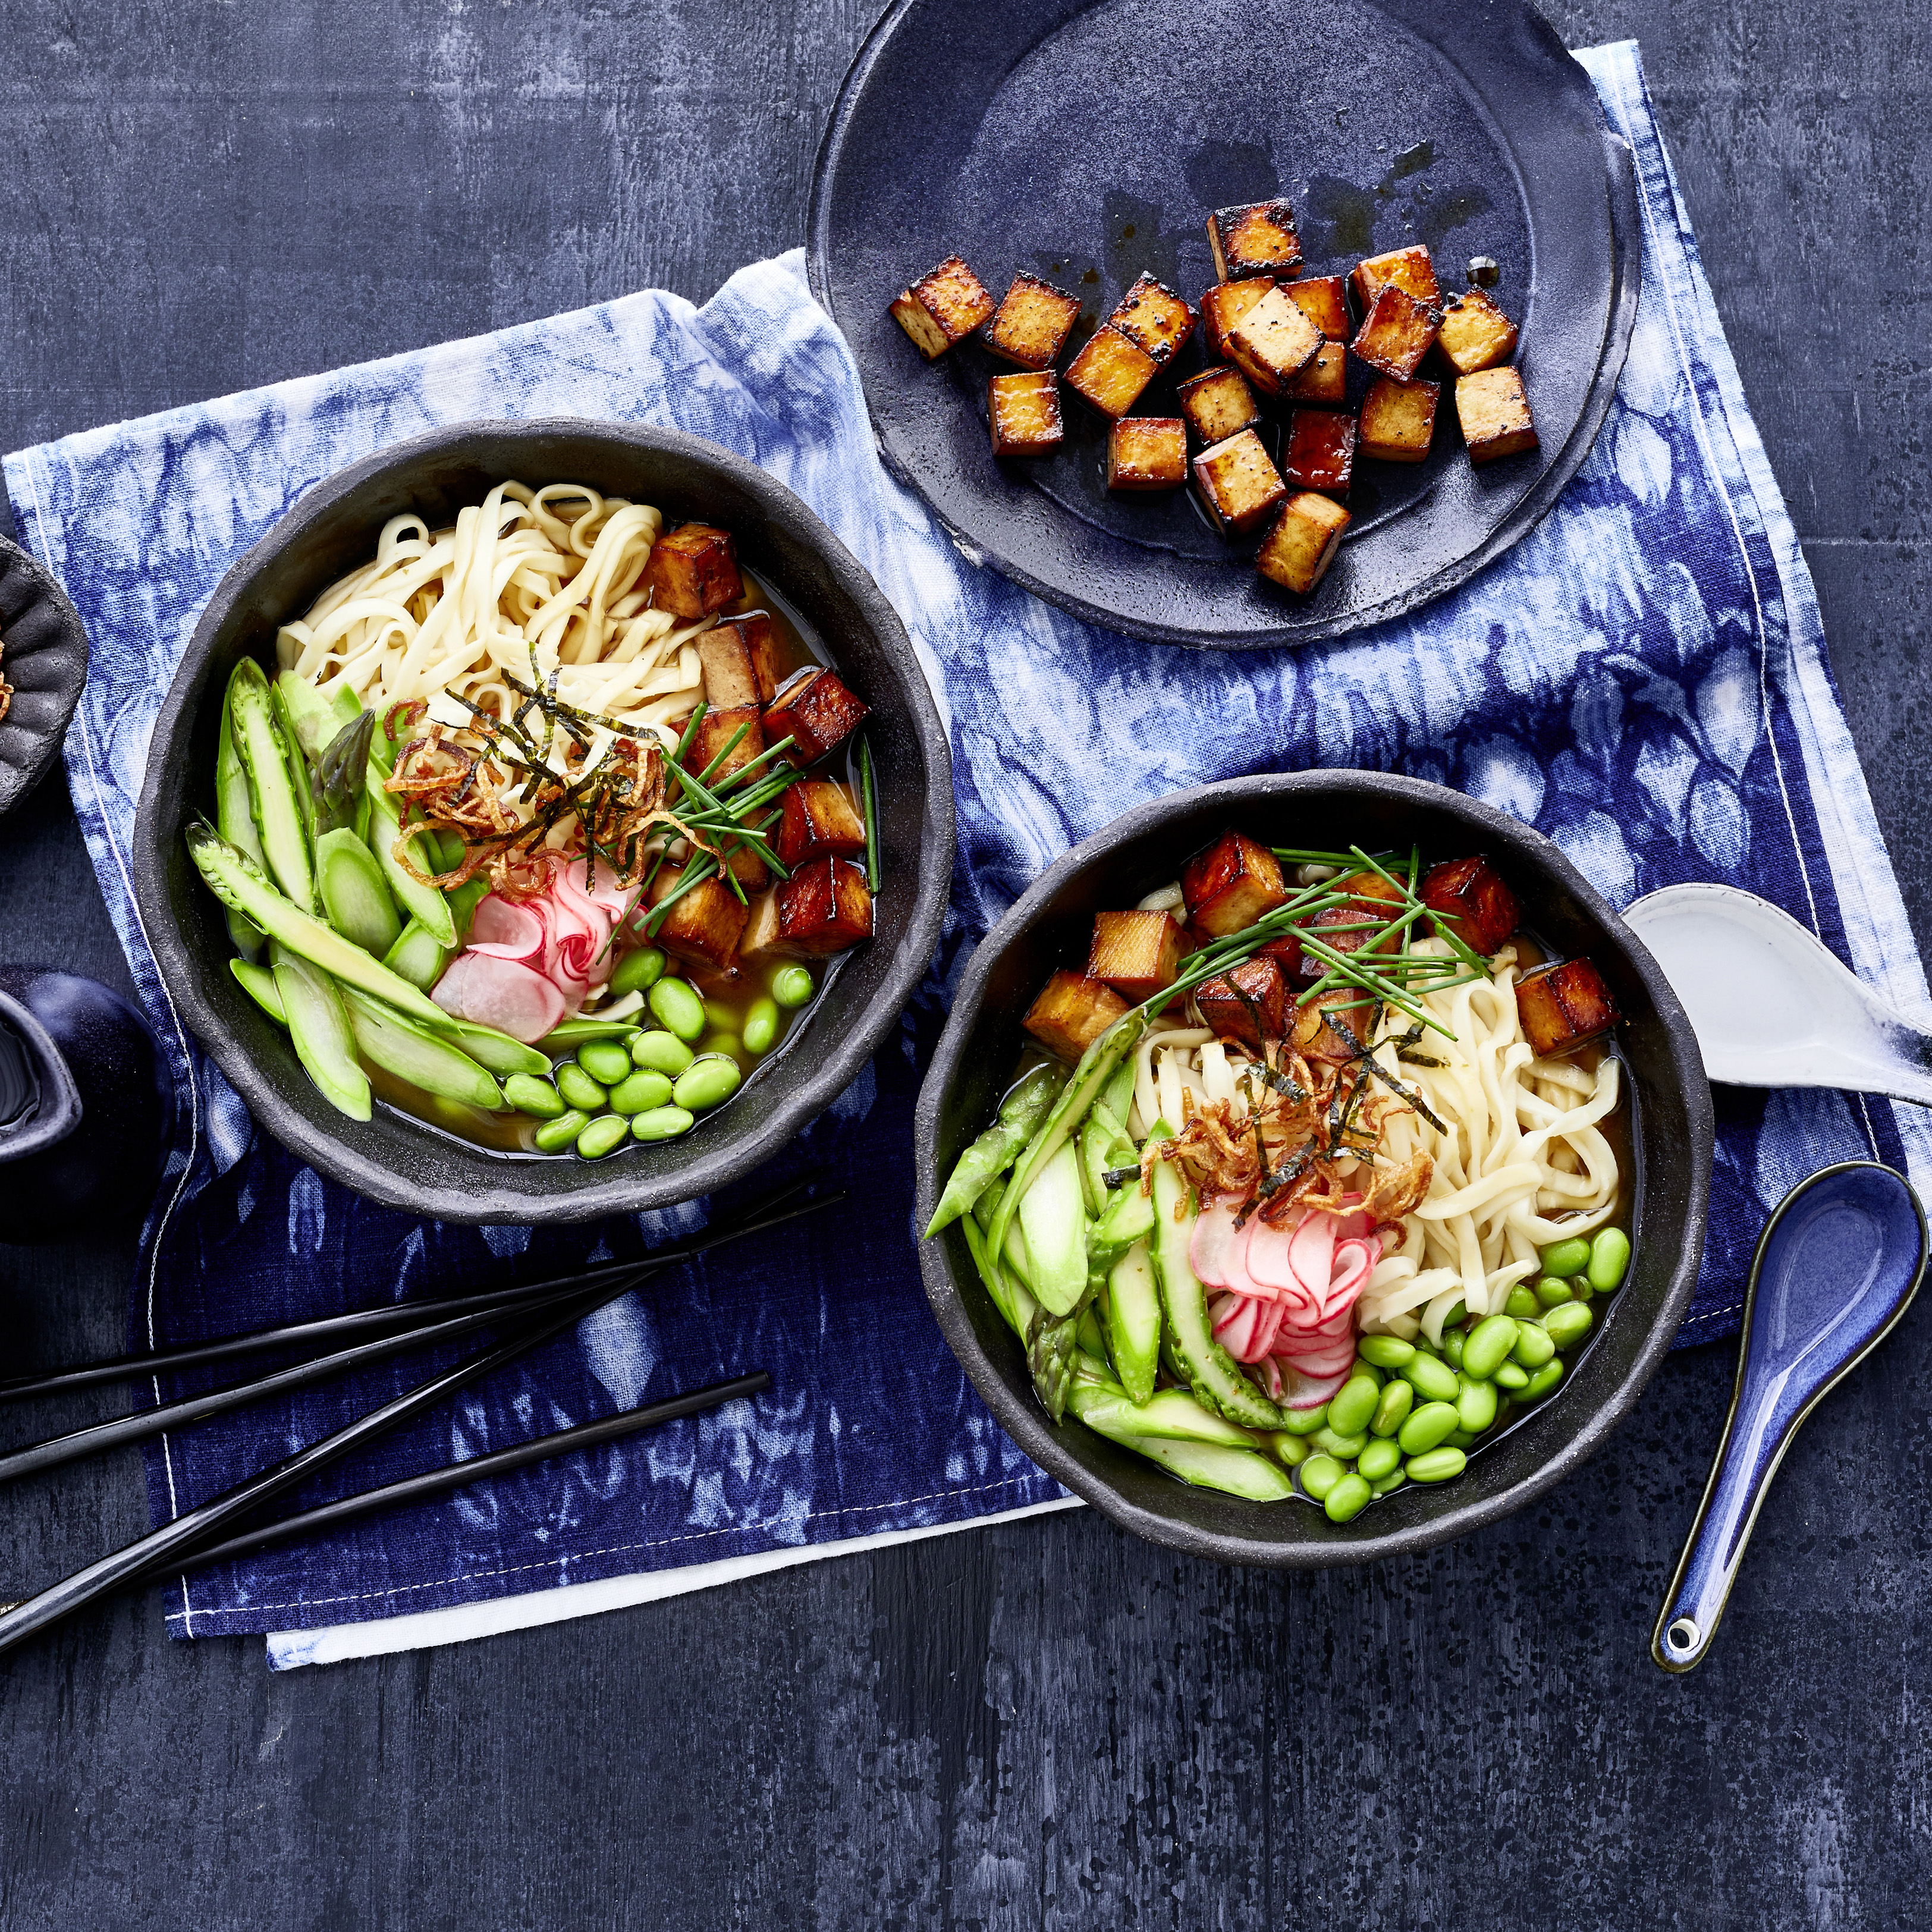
(1837, 1264)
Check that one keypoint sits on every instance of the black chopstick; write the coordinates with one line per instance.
(333, 1327)
(479, 1468)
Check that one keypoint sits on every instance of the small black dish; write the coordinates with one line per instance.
(1671, 1138)
(397, 1160)
(44, 656)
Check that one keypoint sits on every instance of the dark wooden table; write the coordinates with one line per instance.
(1046, 1724)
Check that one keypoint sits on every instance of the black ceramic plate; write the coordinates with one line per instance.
(1085, 141)
(44, 656)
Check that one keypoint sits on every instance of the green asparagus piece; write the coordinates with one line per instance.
(319, 1026)
(422, 902)
(264, 757)
(234, 814)
(313, 718)
(417, 956)
(339, 783)
(353, 895)
(1053, 1341)
(496, 1051)
(1021, 1112)
(413, 1054)
(259, 983)
(1011, 1297)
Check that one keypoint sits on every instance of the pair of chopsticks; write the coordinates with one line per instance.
(215, 1531)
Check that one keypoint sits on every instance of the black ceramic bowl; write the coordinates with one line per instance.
(334, 528)
(44, 656)
(1048, 928)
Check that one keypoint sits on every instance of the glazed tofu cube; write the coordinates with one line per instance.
(759, 941)
(1398, 419)
(1256, 239)
(1475, 334)
(1224, 305)
(1023, 411)
(1217, 403)
(1408, 268)
(1324, 299)
(1146, 453)
(818, 821)
(1332, 1028)
(816, 710)
(1469, 894)
(823, 907)
(1302, 542)
(763, 648)
(1071, 1013)
(715, 730)
(942, 307)
(1325, 380)
(693, 571)
(1397, 332)
(1320, 451)
(1249, 1004)
(1295, 965)
(1152, 316)
(1495, 414)
(1033, 323)
(706, 924)
(1229, 884)
(730, 677)
(750, 870)
(1273, 342)
(1136, 953)
(1562, 1006)
(1345, 928)
(1238, 482)
(1111, 372)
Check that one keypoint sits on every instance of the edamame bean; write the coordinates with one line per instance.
(1545, 1379)
(578, 1088)
(1352, 1406)
(640, 1092)
(638, 971)
(1343, 1448)
(1435, 1466)
(661, 1123)
(1522, 1303)
(605, 1060)
(1567, 1257)
(761, 1027)
(661, 1053)
(1453, 1319)
(1567, 1325)
(1433, 1423)
(1381, 1458)
(708, 1081)
(718, 1016)
(1454, 1341)
(1319, 1474)
(1291, 1449)
(792, 986)
(1579, 1286)
(1389, 1484)
(1533, 1344)
(1476, 1406)
(1609, 1256)
(529, 1095)
(1346, 1500)
(1509, 1376)
(554, 1136)
(607, 1131)
(726, 1043)
(1385, 1351)
(1306, 1421)
(1369, 1371)
(1392, 1411)
(1488, 1347)
(674, 1004)
(1433, 1379)
(1462, 1439)
(1552, 1291)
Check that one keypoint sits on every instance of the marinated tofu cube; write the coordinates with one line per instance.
(1398, 419)
(1332, 1027)
(1217, 404)
(816, 710)
(1146, 453)
(1302, 542)
(1273, 342)
(715, 730)
(1325, 380)
(1224, 305)
(763, 648)
(943, 307)
(1111, 371)
(1023, 411)
(1258, 239)
(693, 571)
(1238, 482)
(1409, 268)
(1320, 451)
(818, 821)
(1033, 323)
(1295, 965)
(1563, 1005)
(1136, 953)
(1397, 332)
(1071, 1013)
(706, 922)
(1495, 414)
(1249, 1003)
(1229, 884)
(1324, 299)
(823, 907)
(1469, 897)
(750, 870)
(759, 941)
(1347, 929)
(731, 677)
(1151, 315)
(1475, 334)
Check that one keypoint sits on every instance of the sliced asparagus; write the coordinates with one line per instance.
(422, 902)
(319, 1026)
(234, 814)
(496, 1051)
(259, 983)
(353, 895)
(1133, 1320)
(1020, 1113)
(265, 755)
(413, 1054)
(418, 956)
(313, 718)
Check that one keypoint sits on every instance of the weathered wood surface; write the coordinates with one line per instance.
(1047, 1724)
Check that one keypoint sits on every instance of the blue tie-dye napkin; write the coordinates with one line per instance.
(1643, 678)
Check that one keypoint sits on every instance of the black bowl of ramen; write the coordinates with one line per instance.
(400, 1160)
(1667, 1134)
